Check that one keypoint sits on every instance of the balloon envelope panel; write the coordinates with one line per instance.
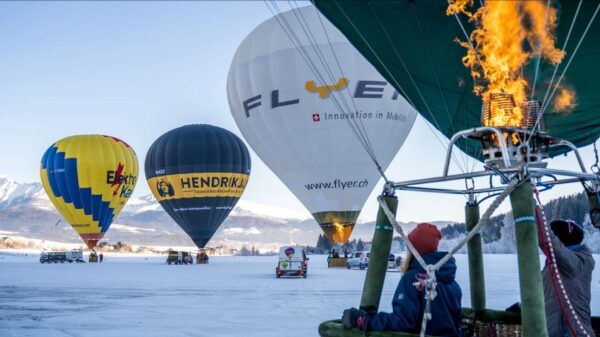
(198, 173)
(298, 121)
(89, 178)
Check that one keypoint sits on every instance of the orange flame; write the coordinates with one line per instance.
(565, 101)
(509, 35)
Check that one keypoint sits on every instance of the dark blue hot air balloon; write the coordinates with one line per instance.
(198, 173)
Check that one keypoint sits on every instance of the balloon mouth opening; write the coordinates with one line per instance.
(91, 240)
(200, 242)
(338, 232)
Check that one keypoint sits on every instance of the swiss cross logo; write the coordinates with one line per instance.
(316, 117)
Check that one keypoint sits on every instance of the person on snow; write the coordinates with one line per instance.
(575, 264)
(409, 301)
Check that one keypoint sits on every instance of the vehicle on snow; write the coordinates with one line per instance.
(359, 260)
(394, 262)
(75, 255)
(397, 262)
(53, 257)
(179, 257)
(292, 262)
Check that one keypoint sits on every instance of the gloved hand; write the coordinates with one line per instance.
(355, 318)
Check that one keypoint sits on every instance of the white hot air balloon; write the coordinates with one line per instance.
(303, 97)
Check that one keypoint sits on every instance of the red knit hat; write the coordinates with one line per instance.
(425, 237)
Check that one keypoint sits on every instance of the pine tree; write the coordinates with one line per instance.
(360, 245)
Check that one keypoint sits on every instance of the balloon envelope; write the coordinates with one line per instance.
(422, 44)
(297, 120)
(89, 178)
(198, 173)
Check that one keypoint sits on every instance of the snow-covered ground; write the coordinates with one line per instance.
(232, 296)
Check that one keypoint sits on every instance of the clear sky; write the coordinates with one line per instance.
(137, 69)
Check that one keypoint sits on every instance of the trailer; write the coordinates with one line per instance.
(53, 257)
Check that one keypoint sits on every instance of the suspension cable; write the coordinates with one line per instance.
(397, 84)
(595, 168)
(358, 126)
(563, 49)
(437, 79)
(544, 101)
(462, 27)
(546, 104)
(287, 28)
(540, 49)
(359, 122)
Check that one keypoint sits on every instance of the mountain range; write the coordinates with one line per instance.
(26, 211)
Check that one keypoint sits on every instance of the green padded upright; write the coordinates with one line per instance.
(530, 278)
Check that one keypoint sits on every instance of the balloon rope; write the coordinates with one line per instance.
(439, 86)
(539, 53)
(545, 104)
(314, 69)
(359, 126)
(563, 49)
(393, 78)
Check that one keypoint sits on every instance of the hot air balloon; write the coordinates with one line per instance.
(309, 104)
(89, 178)
(198, 173)
(413, 45)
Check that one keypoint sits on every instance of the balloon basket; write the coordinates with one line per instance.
(474, 323)
(515, 167)
(337, 262)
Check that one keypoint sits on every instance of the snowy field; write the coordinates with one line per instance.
(232, 296)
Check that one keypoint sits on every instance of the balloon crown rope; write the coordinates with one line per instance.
(516, 155)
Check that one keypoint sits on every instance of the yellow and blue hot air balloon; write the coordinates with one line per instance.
(89, 178)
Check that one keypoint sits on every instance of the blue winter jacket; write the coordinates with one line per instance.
(409, 302)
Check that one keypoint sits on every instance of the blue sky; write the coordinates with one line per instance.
(135, 70)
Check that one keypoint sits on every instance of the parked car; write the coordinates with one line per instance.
(392, 261)
(178, 257)
(398, 262)
(292, 262)
(53, 257)
(359, 260)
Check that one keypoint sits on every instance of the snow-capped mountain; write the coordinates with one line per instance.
(25, 210)
(13, 194)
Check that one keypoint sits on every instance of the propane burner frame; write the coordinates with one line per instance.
(521, 146)
(508, 162)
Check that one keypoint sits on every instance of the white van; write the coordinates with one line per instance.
(292, 262)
